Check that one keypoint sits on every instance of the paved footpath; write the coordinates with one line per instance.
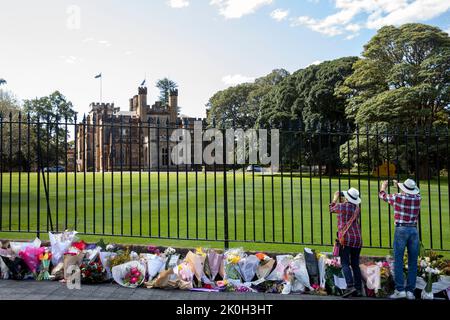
(52, 290)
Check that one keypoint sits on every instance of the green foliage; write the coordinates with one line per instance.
(51, 111)
(165, 85)
(241, 104)
(309, 95)
(401, 84)
(403, 78)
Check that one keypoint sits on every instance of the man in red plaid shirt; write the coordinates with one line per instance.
(406, 213)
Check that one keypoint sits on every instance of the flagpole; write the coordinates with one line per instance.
(101, 88)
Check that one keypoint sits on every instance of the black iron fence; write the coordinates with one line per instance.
(117, 176)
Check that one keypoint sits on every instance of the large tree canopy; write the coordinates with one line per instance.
(241, 104)
(403, 78)
(51, 111)
(309, 95)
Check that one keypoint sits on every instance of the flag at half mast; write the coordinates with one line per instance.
(98, 76)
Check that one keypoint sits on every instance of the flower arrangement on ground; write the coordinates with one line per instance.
(386, 280)
(333, 269)
(130, 274)
(45, 258)
(133, 277)
(92, 271)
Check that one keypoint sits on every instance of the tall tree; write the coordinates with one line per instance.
(308, 98)
(401, 83)
(403, 78)
(51, 111)
(165, 85)
(241, 104)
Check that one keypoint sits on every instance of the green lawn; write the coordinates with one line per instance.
(198, 211)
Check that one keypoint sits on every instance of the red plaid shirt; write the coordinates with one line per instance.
(406, 206)
(345, 211)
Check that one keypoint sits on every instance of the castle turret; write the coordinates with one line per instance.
(142, 103)
(173, 105)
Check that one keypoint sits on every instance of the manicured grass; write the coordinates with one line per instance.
(292, 209)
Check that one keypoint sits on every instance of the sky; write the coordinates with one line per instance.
(203, 45)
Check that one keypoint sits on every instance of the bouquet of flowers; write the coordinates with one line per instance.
(130, 274)
(92, 271)
(133, 277)
(265, 267)
(386, 280)
(232, 258)
(430, 274)
(30, 256)
(213, 262)
(169, 254)
(196, 261)
(333, 271)
(60, 243)
(153, 250)
(45, 259)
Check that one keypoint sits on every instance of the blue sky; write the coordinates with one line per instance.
(204, 45)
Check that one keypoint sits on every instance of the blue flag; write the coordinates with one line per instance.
(98, 76)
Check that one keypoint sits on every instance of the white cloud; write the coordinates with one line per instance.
(128, 52)
(105, 43)
(233, 9)
(88, 39)
(314, 63)
(236, 79)
(279, 14)
(377, 13)
(177, 4)
(71, 59)
(448, 31)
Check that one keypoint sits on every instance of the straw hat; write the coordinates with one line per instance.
(409, 186)
(352, 195)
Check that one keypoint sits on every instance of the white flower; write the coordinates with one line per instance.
(169, 251)
(427, 259)
(428, 269)
(423, 264)
(109, 247)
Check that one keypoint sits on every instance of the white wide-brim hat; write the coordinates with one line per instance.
(352, 195)
(409, 186)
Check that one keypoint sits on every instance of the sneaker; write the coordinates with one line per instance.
(348, 292)
(398, 295)
(410, 295)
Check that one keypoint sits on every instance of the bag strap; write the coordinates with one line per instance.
(349, 223)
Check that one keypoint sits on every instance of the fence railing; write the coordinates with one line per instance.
(116, 176)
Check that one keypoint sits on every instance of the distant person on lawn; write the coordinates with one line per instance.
(346, 205)
(406, 212)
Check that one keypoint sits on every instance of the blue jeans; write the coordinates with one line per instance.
(406, 237)
(350, 258)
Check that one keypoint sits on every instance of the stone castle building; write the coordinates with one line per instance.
(138, 139)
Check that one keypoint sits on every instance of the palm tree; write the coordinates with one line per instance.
(165, 85)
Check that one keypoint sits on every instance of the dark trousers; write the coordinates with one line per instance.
(350, 258)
